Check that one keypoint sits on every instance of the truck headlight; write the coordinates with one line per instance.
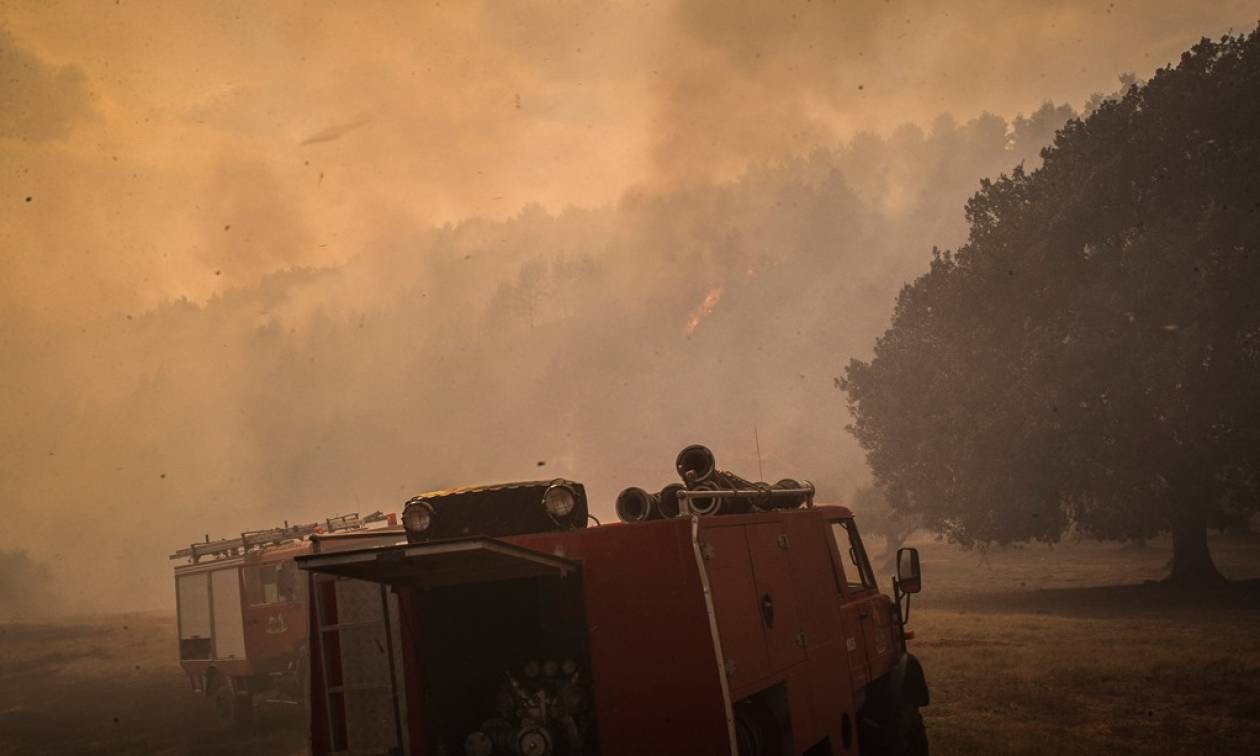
(559, 500)
(417, 516)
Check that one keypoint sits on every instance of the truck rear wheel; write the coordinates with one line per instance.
(757, 733)
(761, 724)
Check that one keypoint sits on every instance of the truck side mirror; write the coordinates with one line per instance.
(909, 578)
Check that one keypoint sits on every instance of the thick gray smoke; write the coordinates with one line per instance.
(591, 344)
(262, 262)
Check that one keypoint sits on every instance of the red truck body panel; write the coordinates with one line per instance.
(682, 618)
(273, 631)
(653, 667)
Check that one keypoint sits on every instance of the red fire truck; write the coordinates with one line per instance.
(242, 610)
(721, 617)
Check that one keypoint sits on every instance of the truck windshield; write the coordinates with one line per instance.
(857, 570)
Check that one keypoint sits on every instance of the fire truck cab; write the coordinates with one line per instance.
(751, 630)
(241, 607)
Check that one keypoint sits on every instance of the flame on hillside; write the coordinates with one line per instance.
(705, 309)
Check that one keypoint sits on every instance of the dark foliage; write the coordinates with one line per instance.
(1090, 357)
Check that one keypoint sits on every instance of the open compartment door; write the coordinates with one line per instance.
(357, 669)
(440, 564)
(192, 599)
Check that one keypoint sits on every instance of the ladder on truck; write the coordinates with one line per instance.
(253, 539)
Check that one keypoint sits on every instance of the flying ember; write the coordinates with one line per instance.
(705, 309)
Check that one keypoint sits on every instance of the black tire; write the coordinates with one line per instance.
(231, 709)
(757, 731)
(910, 738)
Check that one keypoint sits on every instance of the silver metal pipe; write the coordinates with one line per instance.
(689, 501)
(721, 494)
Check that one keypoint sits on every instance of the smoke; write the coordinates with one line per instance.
(589, 344)
(26, 587)
(251, 223)
(741, 82)
(334, 132)
(45, 101)
(485, 262)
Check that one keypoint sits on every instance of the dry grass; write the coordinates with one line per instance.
(1027, 651)
(1088, 666)
(1026, 683)
(112, 685)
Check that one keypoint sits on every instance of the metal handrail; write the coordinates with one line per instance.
(756, 495)
(257, 538)
(723, 493)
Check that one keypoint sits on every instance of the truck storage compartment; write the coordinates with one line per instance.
(505, 668)
(498, 641)
(225, 597)
(192, 596)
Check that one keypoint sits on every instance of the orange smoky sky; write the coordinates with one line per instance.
(179, 148)
(281, 260)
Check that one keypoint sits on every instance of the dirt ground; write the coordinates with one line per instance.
(112, 685)
(1027, 651)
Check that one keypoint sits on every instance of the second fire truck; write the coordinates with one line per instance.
(241, 608)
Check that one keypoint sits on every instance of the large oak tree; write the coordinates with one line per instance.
(1090, 357)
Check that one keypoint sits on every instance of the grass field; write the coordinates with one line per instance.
(1099, 662)
(1027, 651)
(108, 685)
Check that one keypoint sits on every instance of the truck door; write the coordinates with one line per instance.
(225, 595)
(827, 667)
(192, 596)
(735, 604)
(755, 599)
(275, 613)
(856, 592)
(874, 609)
(776, 594)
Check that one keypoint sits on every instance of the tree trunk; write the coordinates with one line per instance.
(1192, 561)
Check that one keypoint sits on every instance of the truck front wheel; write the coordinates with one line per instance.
(910, 738)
